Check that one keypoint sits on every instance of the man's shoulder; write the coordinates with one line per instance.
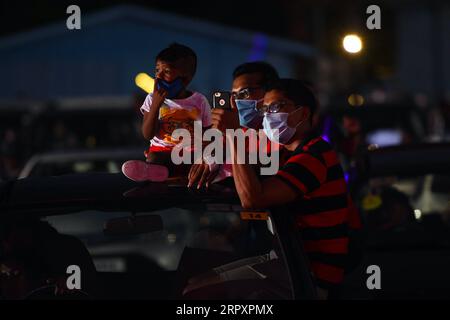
(315, 144)
(316, 147)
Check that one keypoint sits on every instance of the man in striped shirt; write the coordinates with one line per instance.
(309, 185)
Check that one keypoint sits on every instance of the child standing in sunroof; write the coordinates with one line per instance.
(170, 106)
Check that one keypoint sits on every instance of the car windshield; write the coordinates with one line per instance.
(218, 252)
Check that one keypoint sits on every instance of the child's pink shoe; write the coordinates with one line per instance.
(138, 170)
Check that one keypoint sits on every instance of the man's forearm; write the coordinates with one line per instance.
(255, 193)
(248, 185)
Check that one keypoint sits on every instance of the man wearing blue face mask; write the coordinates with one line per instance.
(248, 88)
(310, 185)
(247, 94)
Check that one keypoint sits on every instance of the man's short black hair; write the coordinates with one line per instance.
(268, 72)
(297, 91)
(176, 52)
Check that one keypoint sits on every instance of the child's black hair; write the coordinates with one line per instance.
(268, 72)
(297, 91)
(176, 52)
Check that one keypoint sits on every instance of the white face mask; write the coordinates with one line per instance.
(276, 128)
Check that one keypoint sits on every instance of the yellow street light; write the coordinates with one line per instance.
(352, 43)
(145, 82)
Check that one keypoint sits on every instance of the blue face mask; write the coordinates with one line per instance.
(249, 117)
(173, 88)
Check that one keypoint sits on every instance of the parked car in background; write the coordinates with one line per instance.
(404, 196)
(80, 161)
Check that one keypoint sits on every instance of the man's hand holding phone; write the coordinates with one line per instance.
(223, 115)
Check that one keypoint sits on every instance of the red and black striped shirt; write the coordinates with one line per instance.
(323, 208)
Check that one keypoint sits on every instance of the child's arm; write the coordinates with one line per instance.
(150, 123)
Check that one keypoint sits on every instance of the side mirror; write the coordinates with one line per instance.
(133, 225)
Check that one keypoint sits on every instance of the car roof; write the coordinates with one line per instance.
(66, 193)
(405, 160)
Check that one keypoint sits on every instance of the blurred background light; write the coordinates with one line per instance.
(171, 238)
(378, 96)
(259, 47)
(352, 43)
(417, 213)
(385, 137)
(355, 100)
(145, 82)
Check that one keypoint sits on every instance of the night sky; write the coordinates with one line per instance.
(270, 17)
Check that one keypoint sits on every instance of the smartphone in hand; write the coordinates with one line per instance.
(221, 100)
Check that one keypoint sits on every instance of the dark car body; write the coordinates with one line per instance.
(203, 235)
(200, 244)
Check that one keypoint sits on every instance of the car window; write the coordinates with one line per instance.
(212, 253)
